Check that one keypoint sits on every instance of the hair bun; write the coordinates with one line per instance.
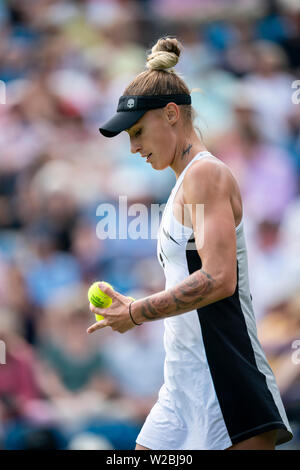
(164, 54)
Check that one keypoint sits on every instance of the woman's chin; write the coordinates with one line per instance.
(158, 165)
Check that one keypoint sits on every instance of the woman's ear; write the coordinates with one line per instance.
(171, 111)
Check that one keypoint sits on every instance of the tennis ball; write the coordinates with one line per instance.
(98, 298)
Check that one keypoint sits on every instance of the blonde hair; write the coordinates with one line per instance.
(160, 78)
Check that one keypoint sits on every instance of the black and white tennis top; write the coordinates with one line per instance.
(217, 378)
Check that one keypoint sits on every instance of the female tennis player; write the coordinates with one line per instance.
(219, 390)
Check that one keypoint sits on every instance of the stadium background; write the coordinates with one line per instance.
(64, 65)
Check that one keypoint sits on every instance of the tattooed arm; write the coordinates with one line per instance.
(208, 183)
(194, 292)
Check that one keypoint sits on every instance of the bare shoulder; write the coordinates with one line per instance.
(209, 176)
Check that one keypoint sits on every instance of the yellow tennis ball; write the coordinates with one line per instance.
(98, 298)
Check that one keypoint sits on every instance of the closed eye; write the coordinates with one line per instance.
(137, 133)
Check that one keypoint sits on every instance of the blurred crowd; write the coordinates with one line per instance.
(64, 65)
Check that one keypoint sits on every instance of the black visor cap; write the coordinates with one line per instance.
(131, 108)
(120, 122)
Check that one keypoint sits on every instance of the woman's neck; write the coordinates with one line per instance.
(185, 152)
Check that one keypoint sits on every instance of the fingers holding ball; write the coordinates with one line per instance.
(98, 298)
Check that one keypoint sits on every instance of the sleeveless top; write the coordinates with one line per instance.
(215, 367)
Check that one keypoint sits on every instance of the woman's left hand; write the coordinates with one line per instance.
(116, 316)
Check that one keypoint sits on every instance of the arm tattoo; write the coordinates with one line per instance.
(182, 298)
(186, 151)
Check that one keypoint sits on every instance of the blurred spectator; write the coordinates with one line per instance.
(291, 41)
(270, 77)
(125, 356)
(48, 270)
(279, 333)
(18, 382)
(264, 171)
(17, 298)
(274, 275)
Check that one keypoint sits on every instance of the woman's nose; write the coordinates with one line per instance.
(135, 147)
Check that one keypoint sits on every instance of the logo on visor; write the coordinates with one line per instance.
(130, 103)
